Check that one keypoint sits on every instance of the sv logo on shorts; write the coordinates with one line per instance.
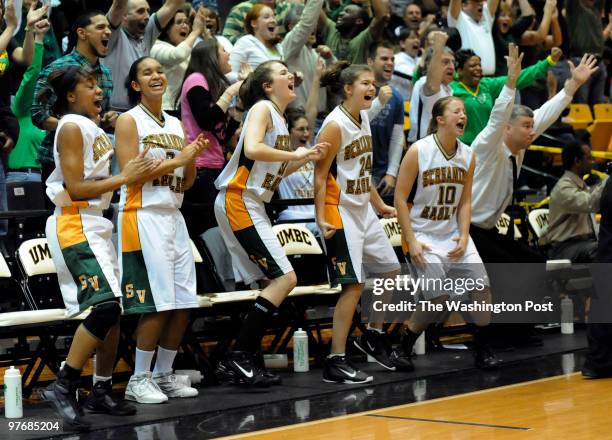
(261, 262)
(93, 281)
(340, 266)
(129, 293)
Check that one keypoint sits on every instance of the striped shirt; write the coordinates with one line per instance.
(42, 109)
(234, 24)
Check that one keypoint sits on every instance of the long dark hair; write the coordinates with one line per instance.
(164, 35)
(60, 83)
(252, 89)
(438, 110)
(341, 74)
(205, 60)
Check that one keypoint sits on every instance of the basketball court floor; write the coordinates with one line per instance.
(538, 393)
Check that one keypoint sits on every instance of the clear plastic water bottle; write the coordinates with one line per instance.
(300, 351)
(419, 345)
(567, 316)
(13, 404)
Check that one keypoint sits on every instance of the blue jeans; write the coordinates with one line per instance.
(18, 176)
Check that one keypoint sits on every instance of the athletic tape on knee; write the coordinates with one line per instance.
(102, 318)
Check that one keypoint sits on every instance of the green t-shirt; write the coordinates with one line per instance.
(479, 103)
(353, 50)
(25, 153)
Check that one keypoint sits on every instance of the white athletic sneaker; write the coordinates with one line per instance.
(142, 389)
(171, 386)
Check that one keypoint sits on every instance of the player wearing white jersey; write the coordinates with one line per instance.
(155, 257)
(262, 158)
(440, 169)
(80, 241)
(354, 237)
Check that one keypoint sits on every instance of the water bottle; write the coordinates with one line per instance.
(195, 376)
(300, 351)
(93, 369)
(13, 405)
(567, 316)
(419, 345)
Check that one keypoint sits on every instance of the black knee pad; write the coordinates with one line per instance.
(102, 318)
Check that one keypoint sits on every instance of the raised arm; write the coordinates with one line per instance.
(526, 8)
(381, 18)
(454, 9)
(491, 136)
(116, 12)
(531, 38)
(167, 11)
(23, 55)
(435, 70)
(10, 20)
(492, 6)
(297, 37)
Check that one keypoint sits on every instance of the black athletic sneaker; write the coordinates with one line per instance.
(101, 401)
(376, 345)
(61, 396)
(273, 378)
(338, 369)
(240, 368)
(484, 358)
(401, 360)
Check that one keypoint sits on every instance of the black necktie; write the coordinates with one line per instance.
(512, 200)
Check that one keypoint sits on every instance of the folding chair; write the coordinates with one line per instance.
(579, 116)
(502, 226)
(603, 112)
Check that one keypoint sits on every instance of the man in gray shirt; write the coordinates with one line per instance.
(132, 39)
(571, 232)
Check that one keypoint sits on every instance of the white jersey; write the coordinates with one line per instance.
(260, 178)
(165, 140)
(439, 186)
(350, 176)
(298, 185)
(97, 154)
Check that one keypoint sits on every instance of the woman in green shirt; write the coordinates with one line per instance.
(23, 161)
(479, 93)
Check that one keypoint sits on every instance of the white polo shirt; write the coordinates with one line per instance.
(477, 36)
(492, 185)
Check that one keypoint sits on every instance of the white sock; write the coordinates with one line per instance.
(164, 361)
(143, 361)
(101, 379)
(331, 355)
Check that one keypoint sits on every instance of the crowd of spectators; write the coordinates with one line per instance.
(420, 50)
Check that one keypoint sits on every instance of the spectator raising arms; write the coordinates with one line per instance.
(350, 37)
(480, 92)
(134, 32)
(474, 21)
(234, 24)
(262, 42)
(172, 50)
(23, 161)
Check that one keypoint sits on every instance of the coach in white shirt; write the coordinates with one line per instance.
(495, 151)
(474, 20)
(440, 63)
